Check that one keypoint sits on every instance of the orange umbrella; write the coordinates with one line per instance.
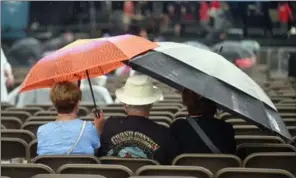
(96, 56)
(84, 59)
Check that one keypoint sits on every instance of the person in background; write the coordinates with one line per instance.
(204, 17)
(101, 93)
(68, 134)
(201, 112)
(285, 15)
(7, 78)
(136, 136)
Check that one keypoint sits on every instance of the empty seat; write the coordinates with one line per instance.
(131, 163)
(43, 106)
(57, 161)
(67, 176)
(11, 122)
(33, 126)
(252, 173)
(194, 171)
(21, 134)
(163, 124)
(234, 121)
(108, 171)
(46, 113)
(212, 162)
(13, 148)
(33, 149)
(161, 119)
(41, 118)
(246, 149)
(240, 139)
(249, 130)
(162, 113)
(292, 130)
(5, 105)
(181, 114)
(273, 160)
(24, 170)
(290, 121)
(18, 114)
(31, 110)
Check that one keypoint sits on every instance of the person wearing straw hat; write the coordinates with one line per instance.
(136, 136)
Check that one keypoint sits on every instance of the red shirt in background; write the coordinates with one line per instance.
(129, 8)
(215, 4)
(284, 13)
(203, 12)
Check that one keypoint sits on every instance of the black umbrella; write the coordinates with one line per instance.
(210, 75)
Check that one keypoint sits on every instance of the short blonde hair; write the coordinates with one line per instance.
(65, 96)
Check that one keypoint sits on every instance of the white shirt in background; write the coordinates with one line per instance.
(4, 66)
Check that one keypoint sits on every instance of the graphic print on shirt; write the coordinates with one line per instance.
(130, 144)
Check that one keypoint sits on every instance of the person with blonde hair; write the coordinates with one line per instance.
(68, 134)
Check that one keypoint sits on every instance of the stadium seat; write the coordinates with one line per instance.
(31, 110)
(33, 149)
(131, 163)
(237, 121)
(292, 130)
(33, 126)
(108, 171)
(3, 127)
(246, 149)
(181, 114)
(67, 176)
(43, 106)
(5, 105)
(290, 121)
(252, 173)
(14, 148)
(22, 115)
(212, 162)
(161, 119)
(17, 133)
(194, 171)
(46, 113)
(273, 160)
(24, 170)
(11, 122)
(163, 124)
(249, 130)
(162, 113)
(41, 118)
(240, 139)
(56, 161)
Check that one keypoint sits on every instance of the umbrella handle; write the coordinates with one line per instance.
(92, 94)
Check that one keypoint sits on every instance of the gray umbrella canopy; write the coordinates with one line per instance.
(197, 45)
(213, 77)
(232, 50)
(251, 45)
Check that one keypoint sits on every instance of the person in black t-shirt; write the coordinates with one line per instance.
(202, 111)
(136, 136)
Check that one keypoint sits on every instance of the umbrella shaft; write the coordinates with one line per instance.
(92, 93)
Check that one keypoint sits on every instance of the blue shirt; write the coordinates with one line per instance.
(57, 138)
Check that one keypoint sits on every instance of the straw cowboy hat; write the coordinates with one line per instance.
(138, 90)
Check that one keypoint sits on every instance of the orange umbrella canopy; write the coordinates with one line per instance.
(97, 56)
